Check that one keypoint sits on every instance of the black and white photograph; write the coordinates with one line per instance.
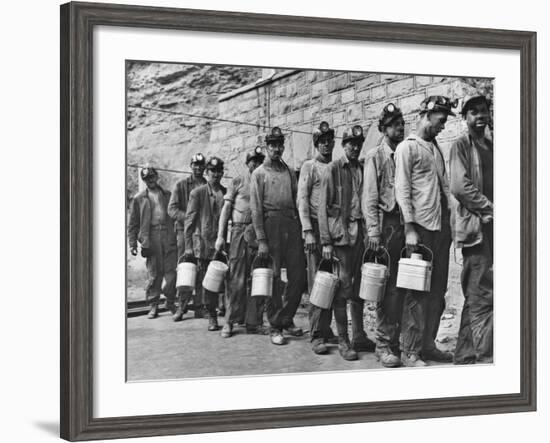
(283, 220)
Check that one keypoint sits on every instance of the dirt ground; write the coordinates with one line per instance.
(161, 349)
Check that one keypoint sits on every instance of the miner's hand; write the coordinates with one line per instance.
(328, 252)
(311, 243)
(263, 249)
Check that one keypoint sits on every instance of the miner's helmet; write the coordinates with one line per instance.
(257, 154)
(388, 115)
(275, 135)
(148, 172)
(438, 103)
(214, 164)
(354, 133)
(323, 133)
(471, 100)
(198, 158)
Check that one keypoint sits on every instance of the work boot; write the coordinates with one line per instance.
(318, 346)
(363, 344)
(346, 350)
(294, 331)
(387, 358)
(277, 338)
(153, 312)
(221, 312)
(227, 330)
(438, 355)
(199, 312)
(258, 330)
(213, 323)
(170, 306)
(178, 315)
(412, 360)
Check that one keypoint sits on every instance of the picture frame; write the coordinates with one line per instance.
(77, 217)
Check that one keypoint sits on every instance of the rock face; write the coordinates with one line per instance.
(168, 139)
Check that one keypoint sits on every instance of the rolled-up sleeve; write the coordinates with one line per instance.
(403, 188)
(192, 217)
(304, 192)
(371, 197)
(256, 203)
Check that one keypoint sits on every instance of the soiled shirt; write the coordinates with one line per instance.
(309, 190)
(158, 207)
(273, 187)
(378, 187)
(239, 196)
(420, 182)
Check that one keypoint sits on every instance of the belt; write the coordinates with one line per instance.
(241, 223)
(291, 213)
(159, 227)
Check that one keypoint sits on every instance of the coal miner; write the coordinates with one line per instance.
(422, 192)
(176, 209)
(273, 191)
(151, 226)
(241, 308)
(341, 233)
(201, 230)
(471, 183)
(309, 189)
(384, 229)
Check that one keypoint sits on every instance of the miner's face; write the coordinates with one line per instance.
(352, 149)
(325, 146)
(477, 117)
(198, 169)
(275, 150)
(395, 131)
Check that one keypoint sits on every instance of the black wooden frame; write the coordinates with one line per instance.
(77, 23)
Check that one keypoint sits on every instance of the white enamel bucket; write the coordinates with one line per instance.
(415, 273)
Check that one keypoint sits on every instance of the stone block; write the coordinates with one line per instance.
(312, 112)
(339, 118)
(291, 90)
(371, 111)
(355, 112)
(319, 89)
(300, 102)
(338, 82)
(312, 76)
(285, 107)
(441, 89)
(411, 103)
(295, 117)
(347, 95)
(369, 80)
(400, 87)
(363, 96)
(378, 93)
(329, 102)
(422, 80)
(389, 77)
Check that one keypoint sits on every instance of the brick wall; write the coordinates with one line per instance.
(299, 100)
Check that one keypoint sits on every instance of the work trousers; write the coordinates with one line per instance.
(319, 319)
(350, 258)
(475, 337)
(241, 306)
(185, 294)
(161, 265)
(389, 310)
(422, 310)
(284, 238)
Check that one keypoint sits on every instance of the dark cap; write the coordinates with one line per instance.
(438, 103)
(354, 133)
(275, 135)
(324, 132)
(257, 153)
(198, 158)
(214, 164)
(471, 100)
(388, 115)
(148, 172)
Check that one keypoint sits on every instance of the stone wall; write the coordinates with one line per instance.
(298, 100)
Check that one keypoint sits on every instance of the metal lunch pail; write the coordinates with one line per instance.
(214, 277)
(262, 279)
(373, 278)
(415, 273)
(325, 285)
(186, 274)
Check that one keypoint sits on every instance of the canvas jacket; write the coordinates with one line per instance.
(466, 184)
(139, 223)
(420, 178)
(180, 198)
(309, 190)
(267, 194)
(334, 212)
(201, 221)
(378, 187)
